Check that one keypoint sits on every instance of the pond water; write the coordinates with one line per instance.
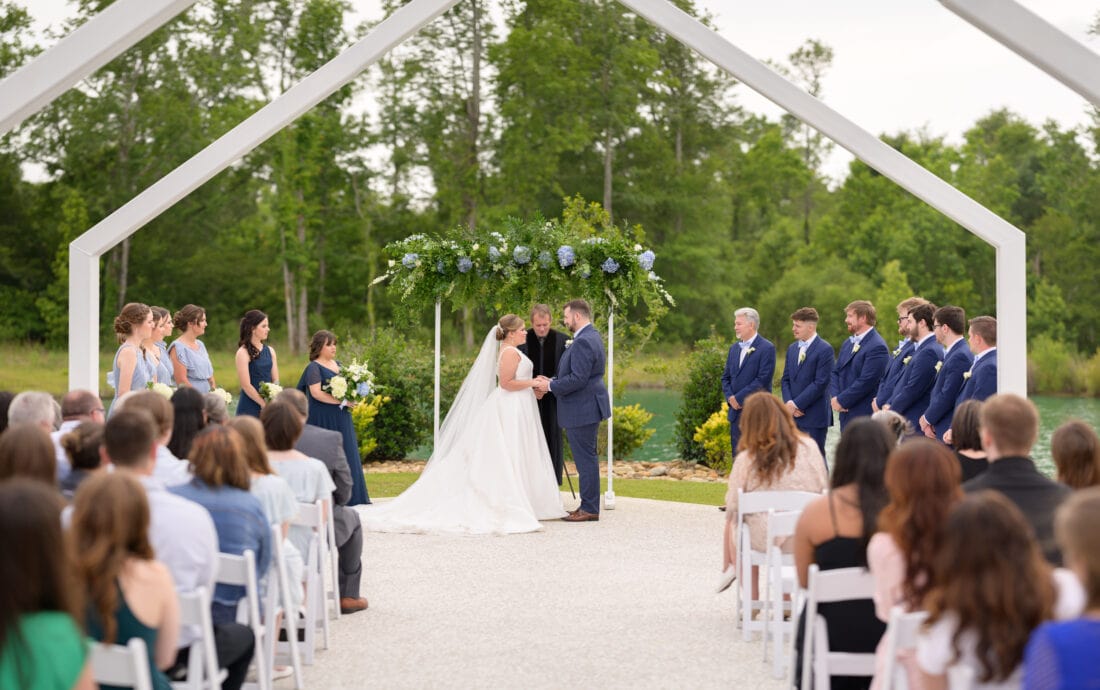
(663, 404)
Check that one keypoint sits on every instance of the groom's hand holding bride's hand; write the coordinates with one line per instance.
(542, 384)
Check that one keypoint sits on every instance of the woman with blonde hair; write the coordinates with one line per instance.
(131, 370)
(130, 593)
(191, 365)
(773, 455)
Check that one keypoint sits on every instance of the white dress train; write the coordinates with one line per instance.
(491, 475)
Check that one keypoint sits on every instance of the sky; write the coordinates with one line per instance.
(899, 65)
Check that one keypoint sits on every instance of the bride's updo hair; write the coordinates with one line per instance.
(507, 324)
(131, 316)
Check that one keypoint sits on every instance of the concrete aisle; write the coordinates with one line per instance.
(627, 602)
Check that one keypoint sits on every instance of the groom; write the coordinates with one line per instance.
(582, 403)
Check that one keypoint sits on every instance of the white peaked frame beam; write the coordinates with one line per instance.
(92, 45)
(86, 250)
(1036, 40)
(1008, 240)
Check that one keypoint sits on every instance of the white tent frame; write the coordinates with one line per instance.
(127, 21)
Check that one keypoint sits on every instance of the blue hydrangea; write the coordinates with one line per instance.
(363, 389)
(645, 259)
(494, 254)
(464, 264)
(521, 255)
(566, 257)
(410, 259)
(439, 266)
(545, 259)
(610, 265)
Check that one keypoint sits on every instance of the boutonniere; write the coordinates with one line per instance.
(897, 352)
(939, 365)
(568, 343)
(966, 375)
(905, 362)
(750, 351)
(855, 348)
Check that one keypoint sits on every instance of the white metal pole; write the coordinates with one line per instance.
(609, 495)
(83, 320)
(435, 426)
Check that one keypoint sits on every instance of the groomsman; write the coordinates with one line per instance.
(544, 347)
(910, 398)
(948, 323)
(859, 366)
(905, 348)
(805, 380)
(750, 367)
(981, 380)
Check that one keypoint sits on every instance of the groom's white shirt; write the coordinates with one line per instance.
(575, 334)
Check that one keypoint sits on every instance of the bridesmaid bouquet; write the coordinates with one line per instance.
(269, 389)
(224, 393)
(162, 388)
(353, 383)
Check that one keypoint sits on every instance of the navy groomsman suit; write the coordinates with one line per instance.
(982, 381)
(857, 374)
(948, 384)
(911, 396)
(894, 372)
(741, 379)
(806, 383)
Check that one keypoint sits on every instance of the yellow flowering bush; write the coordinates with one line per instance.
(362, 416)
(714, 436)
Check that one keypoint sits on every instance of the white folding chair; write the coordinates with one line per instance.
(331, 558)
(827, 586)
(241, 571)
(782, 581)
(277, 600)
(127, 666)
(749, 503)
(202, 660)
(901, 635)
(311, 515)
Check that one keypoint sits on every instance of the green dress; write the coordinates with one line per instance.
(51, 657)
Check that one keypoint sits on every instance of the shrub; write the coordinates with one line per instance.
(1091, 375)
(362, 416)
(702, 394)
(631, 432)
(1053, 367)
(714, 436)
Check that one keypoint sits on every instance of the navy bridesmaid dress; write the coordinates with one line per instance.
(259, 371)
(329, 416)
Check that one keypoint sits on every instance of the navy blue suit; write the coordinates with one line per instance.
(582, 404)
(982, 381)
(857, 375)
(807, 385)
(893, 373)
(949, 381)
(742, 380)
(910, 398)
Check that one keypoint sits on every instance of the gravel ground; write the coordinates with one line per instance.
(625, 602)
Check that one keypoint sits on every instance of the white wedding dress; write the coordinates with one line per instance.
(492, 472)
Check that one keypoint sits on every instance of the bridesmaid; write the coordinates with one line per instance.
(256, 362)
(325, 411)
(191, 364)
(156, 350)
(131, 370)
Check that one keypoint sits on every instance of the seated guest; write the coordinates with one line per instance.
(773, 456)
(41, 643)
(896, 424)
(1076, 452)
(966, 436)
(327, 446)
(833, 532)
(168, 469)
(213, 404)
(993, 588)
(82, 446)
(188, 419)
(923, 480)
(183, 537)
(77, 407)
(1063, 655)
(130, 594)
(35, 407)
(5, 402)
(1009, 427)
(221, 484)
(26, 451)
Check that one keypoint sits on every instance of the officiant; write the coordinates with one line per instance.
(544, 347)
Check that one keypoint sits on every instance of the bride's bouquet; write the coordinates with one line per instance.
(354, 382)
(269, 389)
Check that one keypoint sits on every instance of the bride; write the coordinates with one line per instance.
(491, 472)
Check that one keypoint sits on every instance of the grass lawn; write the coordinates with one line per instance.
(707, 493)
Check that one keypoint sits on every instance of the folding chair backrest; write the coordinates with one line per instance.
(241, 570)
(901, 635)
(827, 586)
(127, 666)
(781, 524)
(236, 570)
(310, 515)
(761, 501)
(202, 662)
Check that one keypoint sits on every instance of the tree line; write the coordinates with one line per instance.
(488, 115)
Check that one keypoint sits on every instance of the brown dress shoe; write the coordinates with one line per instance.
(581, 516)
(351, 604)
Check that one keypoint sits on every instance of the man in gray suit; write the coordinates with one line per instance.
(328, 447)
